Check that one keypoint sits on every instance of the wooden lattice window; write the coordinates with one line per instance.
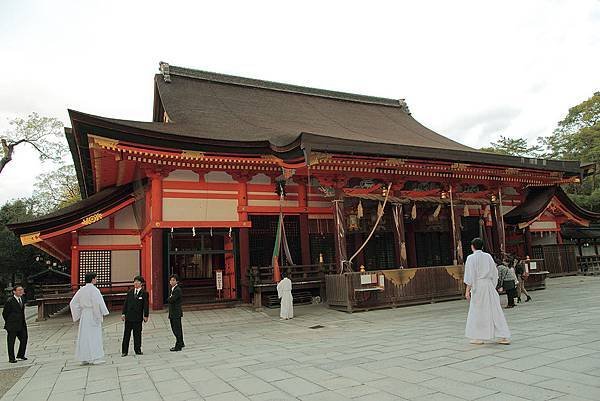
(98, 262)
(262, 238)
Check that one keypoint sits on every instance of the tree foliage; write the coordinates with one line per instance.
(55, 189)
(44, 134)
(15, 259)
(513, 147)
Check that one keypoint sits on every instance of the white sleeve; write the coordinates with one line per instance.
(75, 307)
(468, 279)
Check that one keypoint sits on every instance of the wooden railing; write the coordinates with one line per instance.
(401, 287)
(559, 259)
(263, 275)
(589, 264)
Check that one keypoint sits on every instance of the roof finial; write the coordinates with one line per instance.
(404, 106)
(164, 70)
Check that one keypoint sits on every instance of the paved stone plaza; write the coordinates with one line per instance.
(415, 353)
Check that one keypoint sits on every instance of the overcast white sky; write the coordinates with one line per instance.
(471, 70)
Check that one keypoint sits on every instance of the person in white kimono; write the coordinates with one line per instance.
(88, 307)
(485, 320)
(284, 292)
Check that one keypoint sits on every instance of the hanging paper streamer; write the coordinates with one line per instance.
(466, 211)
(437, 210)
(229, 232)
(413, 212)
(193, 231)
(359, 210)
(379, 209)
(486, 211)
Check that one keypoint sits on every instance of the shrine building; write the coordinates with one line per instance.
(202, 191)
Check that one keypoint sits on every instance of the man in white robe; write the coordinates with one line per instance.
(88, 307)
(284, 292)
(486, 319)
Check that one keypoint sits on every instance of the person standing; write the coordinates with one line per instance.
(136, 309)
(284, 292)
(15, 324)
(507, 282)
(485, 320)
(88, 307)
(175, 312)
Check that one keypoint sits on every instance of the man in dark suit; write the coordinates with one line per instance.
(135, 310)
(15, 324)
(175, 312)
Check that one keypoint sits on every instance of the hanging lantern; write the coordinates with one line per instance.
(413, 212)
(466, 211)
(359, 210)
(436, 212)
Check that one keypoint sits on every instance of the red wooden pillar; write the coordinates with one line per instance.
(156, 198)
(304, 234)
(244, 241)
(156, 273)
(74, 261)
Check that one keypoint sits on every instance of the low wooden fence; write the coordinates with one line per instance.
(351, 292)
(559, 259)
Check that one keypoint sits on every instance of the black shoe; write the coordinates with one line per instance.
(519, 300)
(175, 349)
(22, 358)
(510, 306)
(139, 353)
(528, 298)
(124, 354)
(12, 361)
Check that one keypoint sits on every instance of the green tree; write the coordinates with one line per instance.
(513, 147)
(55, 189)
(44, 134)
(17, 261)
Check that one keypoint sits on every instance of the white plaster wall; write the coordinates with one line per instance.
(218, 176)
(125, 265)
(260, 179)
(125, 219)
(182, 175)
(184, 209)
(109, 240)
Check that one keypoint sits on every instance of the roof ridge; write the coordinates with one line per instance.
(169, 70)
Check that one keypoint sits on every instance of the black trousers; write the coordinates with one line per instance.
(136, 327)
(511, 295)
(10, 339)
(177, 331)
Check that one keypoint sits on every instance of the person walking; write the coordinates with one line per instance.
(88, 307)
(284, 292)
(485, 320)
(175, 312)
(15, 324)
(135, 311)
(507, 282)
(522, 273)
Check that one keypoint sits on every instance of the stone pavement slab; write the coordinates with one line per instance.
(414, 353)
